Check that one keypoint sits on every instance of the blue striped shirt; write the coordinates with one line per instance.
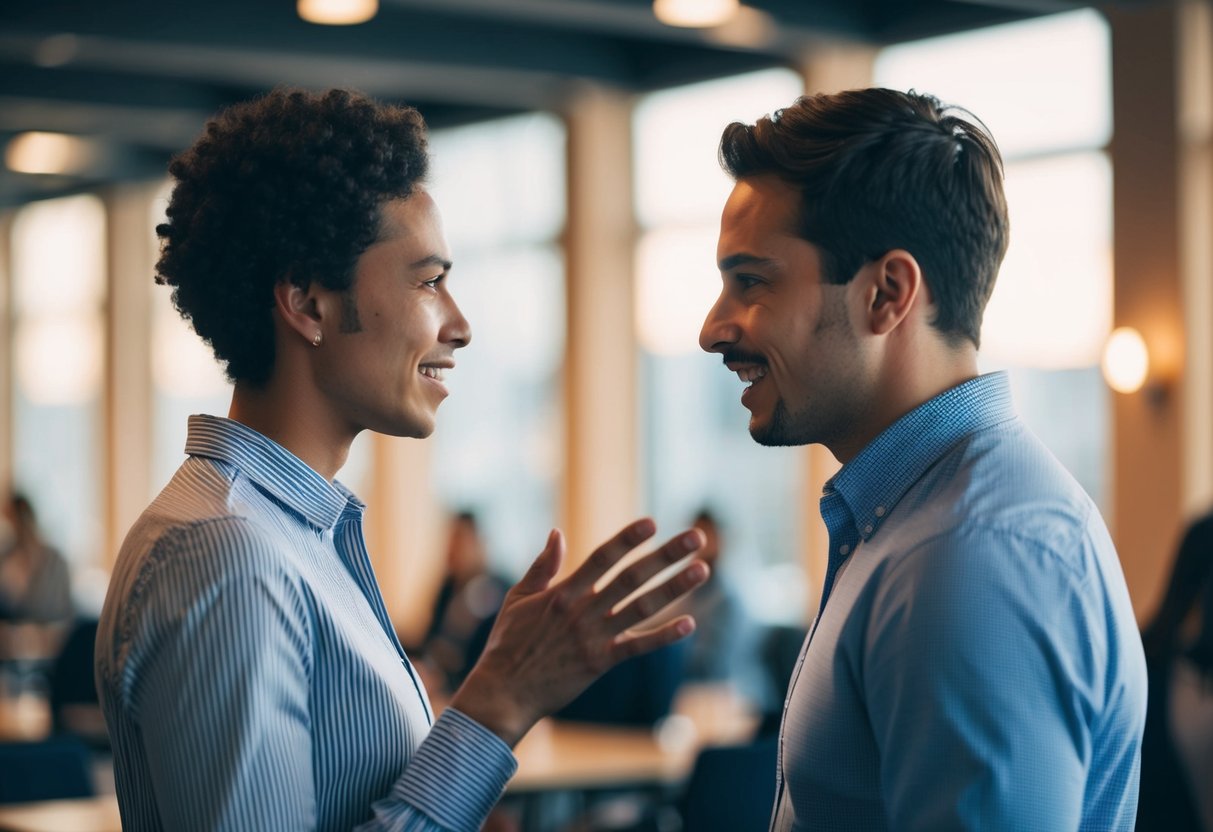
(975, 663)
(249, 673)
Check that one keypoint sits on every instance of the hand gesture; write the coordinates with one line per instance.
(552, 640)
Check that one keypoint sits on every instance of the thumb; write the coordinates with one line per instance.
(545, 566)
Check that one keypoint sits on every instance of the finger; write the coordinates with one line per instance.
(648, 604)
(639, 573)
(609, 553)
(545, 567)
(633, 644)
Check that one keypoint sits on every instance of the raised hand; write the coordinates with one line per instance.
(552, 640)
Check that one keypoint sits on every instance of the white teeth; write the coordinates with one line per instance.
(432, 372)
(751, 373)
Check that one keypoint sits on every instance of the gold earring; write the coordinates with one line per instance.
(316, 340)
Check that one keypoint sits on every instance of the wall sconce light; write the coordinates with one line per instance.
(337, 12)
(1126, 366)
(699, 14)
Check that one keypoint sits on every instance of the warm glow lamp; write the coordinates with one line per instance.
(1126, 361)
(337, 12)
(695, 13)
(49, 153)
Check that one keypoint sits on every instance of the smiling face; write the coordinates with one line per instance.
(781, 328)
(400, 327)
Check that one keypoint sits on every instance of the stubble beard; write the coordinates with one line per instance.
(783, 430)
(786, 429)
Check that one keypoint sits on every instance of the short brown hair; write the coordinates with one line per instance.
(880, 169)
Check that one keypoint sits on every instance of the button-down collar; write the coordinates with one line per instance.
(273, 468)
(873, 482)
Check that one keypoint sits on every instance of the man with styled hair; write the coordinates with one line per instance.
(975, 663)
(248, 671)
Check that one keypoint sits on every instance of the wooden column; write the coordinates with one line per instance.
(127, 420)
(404, 525)
(1196, 244)
(6, 353)
(601, 468)
(1149, 167)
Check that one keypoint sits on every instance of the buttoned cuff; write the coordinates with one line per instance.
(458, 772)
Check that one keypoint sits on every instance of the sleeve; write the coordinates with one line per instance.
(979, 676)
(221, 694)
(221, 701)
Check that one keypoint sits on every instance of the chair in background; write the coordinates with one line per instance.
(732, 788)
(75, 708)
(638, 691)
(54, 769)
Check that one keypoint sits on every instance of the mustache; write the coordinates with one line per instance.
(742, 357)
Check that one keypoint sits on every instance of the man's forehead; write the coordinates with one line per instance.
(759, 208)
(763, 203)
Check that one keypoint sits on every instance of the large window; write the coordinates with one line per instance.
(58, 284)
(696, 449)
(1043, 88)
(497, 448)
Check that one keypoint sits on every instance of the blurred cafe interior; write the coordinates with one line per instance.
(574, 162)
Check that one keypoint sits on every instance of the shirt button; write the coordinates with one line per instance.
(880, 511)
(867, 529)
(844, 549)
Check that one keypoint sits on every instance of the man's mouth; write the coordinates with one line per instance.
(751, 374)
(748, 371)
(436, 373)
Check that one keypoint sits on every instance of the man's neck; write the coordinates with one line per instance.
(907, 382)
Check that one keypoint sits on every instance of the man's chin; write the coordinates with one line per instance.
(774, 432)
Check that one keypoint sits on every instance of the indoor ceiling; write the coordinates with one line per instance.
(140, 77)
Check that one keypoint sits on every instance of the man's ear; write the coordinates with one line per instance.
(896, 284)
(300, 310)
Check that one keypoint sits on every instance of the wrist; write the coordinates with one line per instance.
(487, 700)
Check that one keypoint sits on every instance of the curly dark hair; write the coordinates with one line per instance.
(284, 187)
(880, 169)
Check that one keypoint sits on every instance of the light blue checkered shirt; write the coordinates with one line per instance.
(976, 663)
(249, 673)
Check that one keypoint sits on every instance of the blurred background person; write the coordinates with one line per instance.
(467, 603)
(35, 582)
(1177, 750)
(722, 650)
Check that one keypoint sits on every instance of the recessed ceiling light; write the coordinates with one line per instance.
(695, 13)
(50, 153)
(337, 12)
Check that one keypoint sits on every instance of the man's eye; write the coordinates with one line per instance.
(433, 283)
(747, 280)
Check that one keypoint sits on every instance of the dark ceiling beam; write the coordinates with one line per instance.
(394, 36)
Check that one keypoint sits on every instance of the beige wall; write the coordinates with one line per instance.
(1152, 163)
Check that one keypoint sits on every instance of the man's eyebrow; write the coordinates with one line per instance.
(432, 260)
(743, 259)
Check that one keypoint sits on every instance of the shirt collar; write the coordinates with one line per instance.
(273, 468)
(876, 479)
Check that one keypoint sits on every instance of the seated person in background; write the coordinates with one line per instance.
(726, 641)
(467, 603)
(35, 582)
(1177, 750)
(248, 670)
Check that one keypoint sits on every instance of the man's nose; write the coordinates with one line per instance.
(718, 332)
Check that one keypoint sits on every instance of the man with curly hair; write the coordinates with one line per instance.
(975, 662)
(248, 671)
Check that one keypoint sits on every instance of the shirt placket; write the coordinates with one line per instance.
(844, 537)
(351, 546)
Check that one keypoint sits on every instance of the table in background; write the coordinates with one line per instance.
(89, 814)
